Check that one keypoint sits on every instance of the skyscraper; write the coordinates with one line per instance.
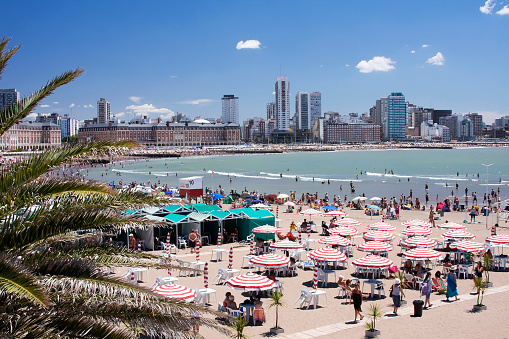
(477, 120)
(283, 103)
(103, 111)
(396, 117)
(381, 109)
(271, 110)
(315, 99)
(230, 109)
(302, 110)
(8, 97)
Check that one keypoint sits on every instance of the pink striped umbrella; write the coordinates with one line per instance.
(250, 282)
(197, 249)
(230, 258)
(315, 277)
(286, 245)
(343, 231)
(416, 222)
(347, 222)
(168, 245)
(310, 212)
(206, 275)
(270, 260)
(498, 239)
(467, 246)
(326, 254)
(381, 226)
(219, 237)
(416, 230)
(378, 236)
(455, 235)
(419, 241)
(374, 247)
(372, 261)
(452, 226)
(421, 253)
(335, 213)
(265, 229)
(251, 244)
(176, 291)
(259, 206)
(335, 240)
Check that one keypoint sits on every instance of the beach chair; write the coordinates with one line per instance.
(323, 275)
(234, 313)
(181, 242)
(344, 293)
(305, 297)
(380, 288)
(198, 296)
(158, 282)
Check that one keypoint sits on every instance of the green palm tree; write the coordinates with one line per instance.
(276, 301)
(50, 282)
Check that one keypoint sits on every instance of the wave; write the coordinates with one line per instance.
(240, 175)
(452, 178)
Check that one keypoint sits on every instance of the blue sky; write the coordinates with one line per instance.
(160, 57)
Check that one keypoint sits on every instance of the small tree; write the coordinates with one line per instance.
(238, 327)
(374, 313)
(276, 297)
(479, 285)
(487, 262)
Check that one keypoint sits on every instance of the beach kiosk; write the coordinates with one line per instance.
(191, 187)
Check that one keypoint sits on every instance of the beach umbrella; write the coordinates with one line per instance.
(378, 236)
(251, 244)
(270, 260)
(422, 253)
(289, 203)
(336, 213)
(260, 207)
(230, 258)
(416, 222)
(373, 207)
(283, 196)
(452, 226)
(327, 254)
(467, 246)
(206, 275)
(219, 237)
(265, 229)
(498, 239)
(419, 241)
(286, 245)
(376, 199)
(250, 282)
(374, 247)
(381, 226)
(197, 249)
(372, 261)
(416, 230)
(176, 291)
(329, 207)
(310, 212)
(359, 199)
(343, 231)
(347, 222)
(216, 196)
(315, 277)
(335, 240)
(457, 235)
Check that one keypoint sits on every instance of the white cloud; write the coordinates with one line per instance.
(148, 108)
(32, 116)
(489, 117)
(437, 60)
(274, 93)
(488, 7)
(377, 64)
(424, 46)
(72, 105)
(44, 106)
(504, 11)
(135, 99)
(252, 44)
(55, 102)
(174, 76)
(196, 102)
(119, 115)
(321, 66)
(89, 106)
(347, 65)
(412, 51)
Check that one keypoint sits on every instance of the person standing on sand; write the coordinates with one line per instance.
(452, 287)
(397, 292)
(356, 297)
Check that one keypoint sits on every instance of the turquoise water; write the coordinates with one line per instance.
(273, 173)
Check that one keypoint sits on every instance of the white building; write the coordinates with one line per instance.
(103, 111)
(8, 97)
(302, 110)
(271, 110)
(283, 103)
(230, 112)
(315, 99)
(434, 132)
(68, 126)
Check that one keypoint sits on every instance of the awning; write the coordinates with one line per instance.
(251, 213)
(175, 218)
(202, 208)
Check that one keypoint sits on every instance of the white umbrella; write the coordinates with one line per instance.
(283, 196)
(289, 203)
(359, 199)
(376, 199)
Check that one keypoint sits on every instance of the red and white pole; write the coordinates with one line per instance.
(251, 244)
(139, 248)
(206, 275)
(197, 248)
(300, 238)
(219, 237)
(230, 258)
(133, 279)
(168, 245)
(315, 277)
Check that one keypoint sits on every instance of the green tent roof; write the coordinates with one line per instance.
(171, 208)
(220, 214)
(251, 213)
(175, 218)
(196, 216)
(131, 211)
(202, 208)
(236, 210)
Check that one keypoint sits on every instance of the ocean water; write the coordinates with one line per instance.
(385, 173)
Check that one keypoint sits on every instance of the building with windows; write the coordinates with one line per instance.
(8, 97)
(271, 110)
(466, 131)
(283, 103)
(230, 113)
(451, 121)
(315, 103)
(394, 127)
(103, 111)
(477, 122)
(302, 111)
(381, 108)
(68, 126)
(434, 132)
(31, 136)
(335, 132)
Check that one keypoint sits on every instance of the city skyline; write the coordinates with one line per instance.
(183, 57)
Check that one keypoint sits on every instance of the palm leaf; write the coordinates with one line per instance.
(6, 54)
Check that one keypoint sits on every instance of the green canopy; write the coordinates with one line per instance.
(228, 200)
(202, 208)
(175, 218)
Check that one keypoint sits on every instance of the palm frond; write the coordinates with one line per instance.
(6, 54)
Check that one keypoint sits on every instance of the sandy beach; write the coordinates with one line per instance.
(334, 318)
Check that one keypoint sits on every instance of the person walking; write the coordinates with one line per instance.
(356, 297)
(472, 213)
(426, 289)
(397, 292)
(452, 287)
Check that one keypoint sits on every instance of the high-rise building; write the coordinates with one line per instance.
(230, 109)
(283, 103)
(396, 117)
(8, 97)
(271, 110)
(302, 110)
(438, 113)
(68, 126)
(451, 122)
(315, 100)
(477, 120)
(381, 108)
(466, 130)
(103, 111)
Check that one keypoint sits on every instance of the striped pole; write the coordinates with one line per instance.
(219, 236)
(230, 258)
(300, 238)
(315, 277)
(169, 268)
(197, 248)
(139, 248)
(308, 229)
(277, 211)
(251, 244)
(133, 280)
(168, 245)
(206, 275)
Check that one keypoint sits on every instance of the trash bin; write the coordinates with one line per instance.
(418, 305)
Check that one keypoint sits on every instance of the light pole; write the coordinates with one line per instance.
(486, 207)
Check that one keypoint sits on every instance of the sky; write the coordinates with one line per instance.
(157, 58)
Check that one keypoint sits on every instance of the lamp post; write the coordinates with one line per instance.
(486, 207)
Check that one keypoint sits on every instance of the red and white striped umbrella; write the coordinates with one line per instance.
(250, 282)
(326, 254)
(259, 206)
(335, 213)
(315, 277)
(219, 237)
(416, 222)
(378, 236)
(206, 275)
(335, 240)
(458, 235)
(230, 258)
(467, 246)
(498, 239)
(168, 245)
(175, 291)
(251, 244)
(419, 241)
(372, 261)
(421, 253)
(452, 226)
(197, 249)
(343, 231)
(310, 212)
(270, 260)
(416, 230)
(347, 222)
(265, 229)
(374, 247)
(381, 226)
(286, 245)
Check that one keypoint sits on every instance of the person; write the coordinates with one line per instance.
(452, 287)
(233, 235)
(304, 226)
(356, 297)
(258, 313)
(431, 218)
(397, 292)
(427, 287)
(479, 269)
(226, 299)
(494, 229)
(195, 315)
(132, 242)
(438, 283)
(489, 254)
(408, 266)
(293, 227)
(325, 228)
(447, 261)
(193, 236)
(418, 270)
(472, 213)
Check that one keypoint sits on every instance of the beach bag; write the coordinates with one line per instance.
(424, 289)
(393, 269)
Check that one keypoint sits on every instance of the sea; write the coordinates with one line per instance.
(373, 173)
